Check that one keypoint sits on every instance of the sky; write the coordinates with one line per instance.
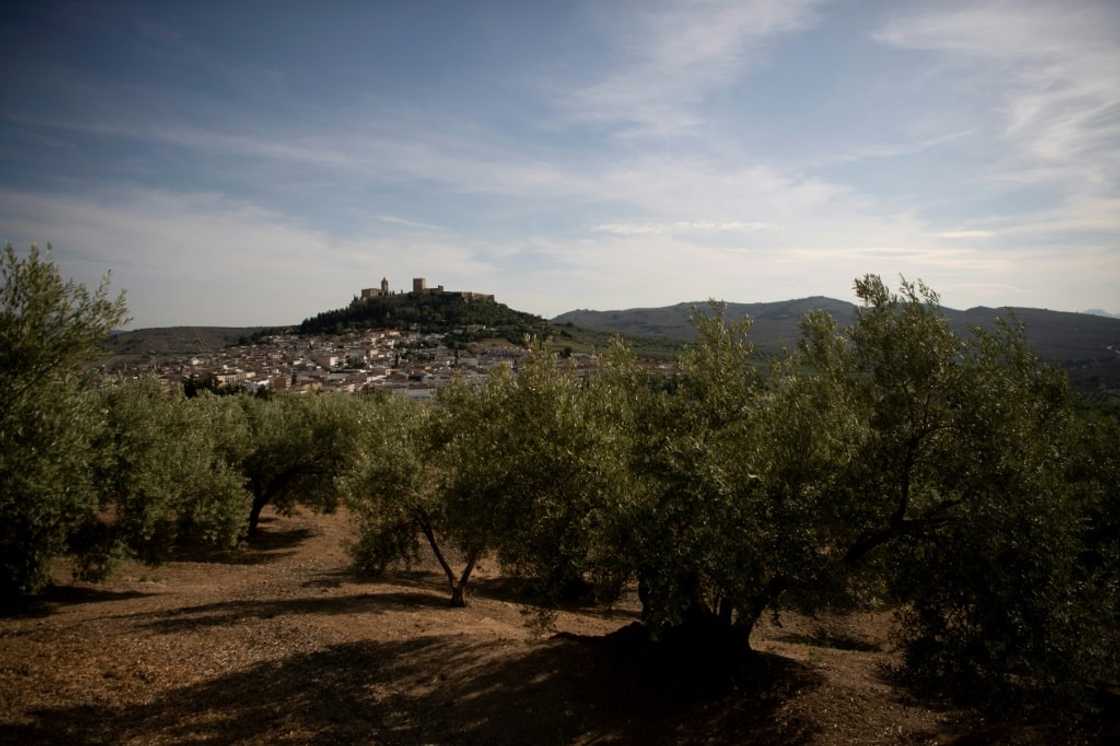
(240, 163)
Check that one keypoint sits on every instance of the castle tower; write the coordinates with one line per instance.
(384, 286)
(419, 285)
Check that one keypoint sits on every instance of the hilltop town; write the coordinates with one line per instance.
(412, 361)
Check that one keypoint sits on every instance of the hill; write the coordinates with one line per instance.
(1056, 335)
(1088, 346)
(776, 325)
(449, 313)
(141, 345)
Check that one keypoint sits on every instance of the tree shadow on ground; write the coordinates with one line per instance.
(506, 589)
(1034, 719)
(58, 596)
(267, 546)
(450, 689)
(335, 579)
(522, 591)
(235, 612)
(823, 638)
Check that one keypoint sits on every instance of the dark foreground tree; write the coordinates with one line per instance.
(754, 488)
(732, 470)
(1019, 599)
(50, 332)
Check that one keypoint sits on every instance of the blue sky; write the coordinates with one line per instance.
(253, 163)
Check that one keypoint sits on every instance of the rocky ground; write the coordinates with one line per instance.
(280, 643)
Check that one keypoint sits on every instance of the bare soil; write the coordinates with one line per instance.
(280, 643)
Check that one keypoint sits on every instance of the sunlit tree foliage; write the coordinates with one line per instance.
(50, 419)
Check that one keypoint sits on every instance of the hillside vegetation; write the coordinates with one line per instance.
(429, 313)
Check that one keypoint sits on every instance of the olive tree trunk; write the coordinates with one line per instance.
(259, 501)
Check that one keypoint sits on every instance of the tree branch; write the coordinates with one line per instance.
(873, 539)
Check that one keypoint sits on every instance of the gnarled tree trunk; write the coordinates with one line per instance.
(259, 501)
(458, 584)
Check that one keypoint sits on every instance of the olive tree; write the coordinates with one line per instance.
(531, 462)
(300, 446)
(519, 465)
(169, 473)
(731, 473)
(391, 492)
(1021, 591)
(432, 472)
(753, 481)
(50, 331)
(397, 490)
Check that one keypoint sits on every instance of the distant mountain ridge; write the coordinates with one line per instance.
(1057, 336)
(776, 325)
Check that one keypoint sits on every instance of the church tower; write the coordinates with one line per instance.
(384, 286)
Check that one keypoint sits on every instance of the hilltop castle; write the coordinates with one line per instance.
(420, 287)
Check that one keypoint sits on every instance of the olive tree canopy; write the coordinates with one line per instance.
(50, 332)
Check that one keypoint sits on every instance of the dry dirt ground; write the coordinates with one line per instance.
(280, 643)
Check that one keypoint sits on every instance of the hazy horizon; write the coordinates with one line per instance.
(253, 164)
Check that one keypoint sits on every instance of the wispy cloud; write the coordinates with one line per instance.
(894, 150)
(393, 220)
(965, 234)
(670, 57)
(681, 226)
(1078, 214)
(1056, 67)
(989, 286)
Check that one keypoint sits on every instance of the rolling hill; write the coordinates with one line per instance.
(139, 345)
(1088, 346)
(776, 325)
(1056, 335)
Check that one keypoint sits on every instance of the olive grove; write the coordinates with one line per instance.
(891, 463)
